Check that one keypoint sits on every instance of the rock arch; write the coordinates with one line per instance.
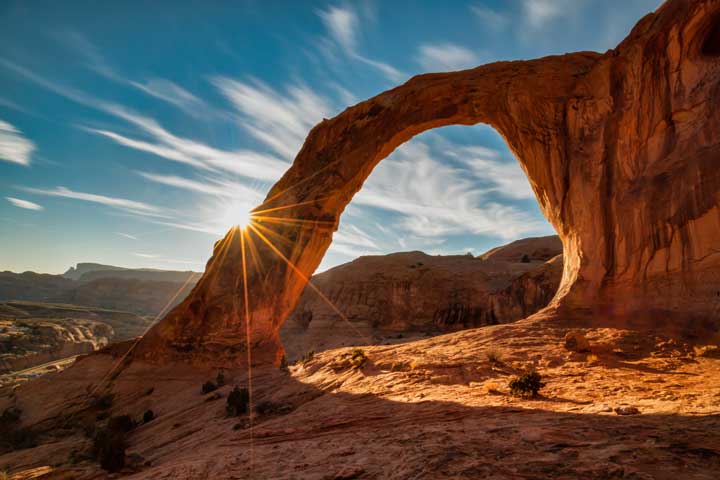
(622, 150)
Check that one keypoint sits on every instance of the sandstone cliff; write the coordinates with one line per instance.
(415, 294)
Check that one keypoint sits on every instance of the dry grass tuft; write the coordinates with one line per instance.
(493, 355)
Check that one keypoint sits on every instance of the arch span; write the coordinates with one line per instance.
(621, 149)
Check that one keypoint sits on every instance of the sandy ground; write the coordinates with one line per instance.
(436, 408)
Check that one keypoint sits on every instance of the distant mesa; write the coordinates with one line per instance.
(86, 272)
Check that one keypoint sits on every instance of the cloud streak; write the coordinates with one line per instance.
(279, 121)
(446, 57)
(343, 25)
(26, 204)
(114, 202)
(14, 147)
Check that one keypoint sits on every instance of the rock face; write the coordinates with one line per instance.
(25, 343)
(621, 149)
(412, 293)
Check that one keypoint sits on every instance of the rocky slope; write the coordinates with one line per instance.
(436, 408)
(415, 294)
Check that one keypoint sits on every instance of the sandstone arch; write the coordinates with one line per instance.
(622, 150)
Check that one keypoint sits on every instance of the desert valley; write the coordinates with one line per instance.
(590, 354)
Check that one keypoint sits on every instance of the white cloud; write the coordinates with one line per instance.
(173, 94)
(115, 202)
(248, 163)
(490, 19)
(146, 255)
(540, 12)
(435, 199)
(446, 57)
(279, 121)
(14, 147)
(507, 177)
(26, 204)
(343, 25)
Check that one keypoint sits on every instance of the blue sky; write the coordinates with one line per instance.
(132, 132)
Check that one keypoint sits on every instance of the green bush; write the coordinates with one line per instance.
(358, 359)
(12, 435)
(284, 364)
(109, 443)
(121, 423)
(308, 356)
(220, 379)
(148, 416)
(493, 355)
(237, 402)
(527, 385)
(102, 402)
(208, 387)
(109, 449)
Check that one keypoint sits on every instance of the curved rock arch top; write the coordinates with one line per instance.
(622, 150)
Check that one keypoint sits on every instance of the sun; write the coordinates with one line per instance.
(236, 216)
(242, 219)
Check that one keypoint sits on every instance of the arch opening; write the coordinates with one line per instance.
(445, 234)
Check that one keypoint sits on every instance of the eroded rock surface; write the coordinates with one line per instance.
(621, 149)
(379, 299)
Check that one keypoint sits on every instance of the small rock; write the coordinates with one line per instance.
(627, 411)
(577, 342)
(350, 472)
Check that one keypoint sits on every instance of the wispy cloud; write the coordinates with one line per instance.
(26, 204)
(248, 163)
(490, 19)
(280, 121)
(126, 235)
(436, 199)
(506, 178)
(159, 88)
(446, 57)
(162, 143)
(14, 147)
(540, 12)
(173, 94)
(114, 202)
(219, 188)
(343, 25)
(146, 255)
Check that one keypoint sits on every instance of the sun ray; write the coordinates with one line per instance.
(310, 284)
(280, 237)
(292, 205)
(248, 347)
(293, 221)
